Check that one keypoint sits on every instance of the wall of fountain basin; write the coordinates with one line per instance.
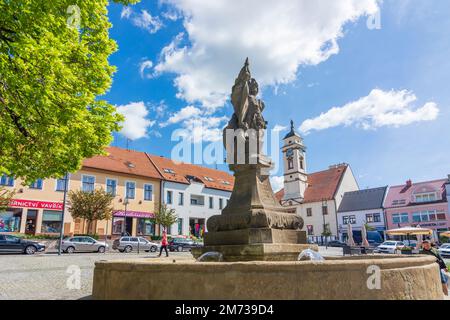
(374, 277)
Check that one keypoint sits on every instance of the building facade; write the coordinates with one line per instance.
(196, 193)
(363, 207)
(317, 196)
(419, 204)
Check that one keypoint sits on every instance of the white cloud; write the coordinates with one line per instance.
(184, 114)
(126, 12)
(143, 66)
(378, 109)
(277, 36)
(277, 183)
(143, 20)
(136, 123)
(279, 128)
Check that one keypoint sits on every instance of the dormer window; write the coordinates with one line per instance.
(226, 182)
(425, 197)
(169, 171)
(130, 165)
(209, 179)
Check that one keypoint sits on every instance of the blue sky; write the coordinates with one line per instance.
(390, 84)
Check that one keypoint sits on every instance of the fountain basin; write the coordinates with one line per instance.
(401, 278)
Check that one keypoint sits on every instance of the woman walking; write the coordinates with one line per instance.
(164, 244)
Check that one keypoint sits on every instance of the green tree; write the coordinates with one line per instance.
(326, 230)
(53, 66)
(91, 206)
(165, 217)
(5, 198)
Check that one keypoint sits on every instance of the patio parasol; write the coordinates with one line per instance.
(410, 231)
(350, 240)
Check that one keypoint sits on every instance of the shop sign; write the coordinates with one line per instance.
(19, 203)
(133, 214)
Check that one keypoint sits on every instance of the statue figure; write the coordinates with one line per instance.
(247, 107)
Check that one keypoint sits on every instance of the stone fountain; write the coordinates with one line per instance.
(260, 241)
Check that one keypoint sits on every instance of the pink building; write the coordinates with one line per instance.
(423, 203)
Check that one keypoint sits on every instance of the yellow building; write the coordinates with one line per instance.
(129, 175)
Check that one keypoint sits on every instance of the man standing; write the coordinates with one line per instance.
(429, 250)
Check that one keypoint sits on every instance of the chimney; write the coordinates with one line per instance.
(409, 183)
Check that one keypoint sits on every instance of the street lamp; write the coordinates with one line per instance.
(125, 202)
(61, 234)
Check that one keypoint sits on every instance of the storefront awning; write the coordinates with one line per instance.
(133, 214)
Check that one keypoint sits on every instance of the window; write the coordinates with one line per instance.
(377, 217)
(290, 164)
(400, 218)
(302, 163)
(220, 203)
(426, 216)
(345, 220)
(131, 190)
(197, 200)
(226, 183)
(145, 227)
(398, 202)
(88, 183)
(352, 219)
(369, 218)
(117, 225)
(324, 210)
(51, 222)
(169, 197)
(6, 181)
(148, 192)
(309, 212)
(180, 226)
(209, 179)
(10, 220)
(310, 229)
(211, 202)
(37, 184)
(111, 187)
(60, 184)
(181, 199)
(425, 197)
(169, 171)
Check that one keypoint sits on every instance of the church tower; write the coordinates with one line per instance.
(295, 177)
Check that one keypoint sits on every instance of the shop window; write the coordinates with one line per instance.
(111, 187)
(10, 220)
(117, 225)
(6, 181)
(148, 192)
(88, 183)
(37, 184)
(131, 190)
(51, 222)
(145, 227)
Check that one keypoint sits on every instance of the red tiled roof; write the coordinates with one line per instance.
(322, 185)
(123, 161)
(211, 178)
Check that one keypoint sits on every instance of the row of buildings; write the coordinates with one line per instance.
(139, 183)
(329, 200)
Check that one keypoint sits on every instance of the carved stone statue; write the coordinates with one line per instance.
(253, 226)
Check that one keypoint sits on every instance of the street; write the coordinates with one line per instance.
(46, 276)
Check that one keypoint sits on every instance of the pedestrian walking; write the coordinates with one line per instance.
(429, 250)
(164, 244)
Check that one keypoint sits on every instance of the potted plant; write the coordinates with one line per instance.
(406, 250)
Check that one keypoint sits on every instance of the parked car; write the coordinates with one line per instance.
(336, 244)
(128, 244)
(182, 244)
(83, 244)
(444, 250)
(389, 247)
(12, 244)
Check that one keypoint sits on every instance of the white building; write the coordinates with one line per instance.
(364, 207)
(447, 189)
(317, 196)
(196, 193)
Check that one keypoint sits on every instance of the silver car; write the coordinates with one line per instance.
(83, 244)
(128, 244)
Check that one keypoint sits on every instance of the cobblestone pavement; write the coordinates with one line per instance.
(45, 276)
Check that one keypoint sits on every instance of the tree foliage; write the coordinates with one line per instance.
(91, 206)
(52, 69)
(165, 217)
(5, 198)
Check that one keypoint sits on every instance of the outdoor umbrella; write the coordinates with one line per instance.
(365, 243)
(446, 234)
(350, 240)
(407, 231)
